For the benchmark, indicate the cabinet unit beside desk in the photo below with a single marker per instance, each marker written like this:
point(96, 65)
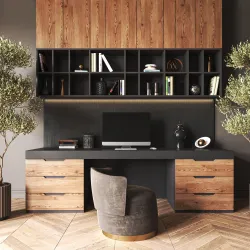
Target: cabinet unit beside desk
point(204, 185)
point(55, 185)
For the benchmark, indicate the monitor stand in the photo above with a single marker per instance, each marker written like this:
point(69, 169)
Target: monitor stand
point(125, 148)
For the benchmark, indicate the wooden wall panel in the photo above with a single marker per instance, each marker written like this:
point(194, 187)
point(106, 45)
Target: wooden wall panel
point(98, 25)
point(120, 24)
point(49, 23)
point(209, 23)
point(185, 23)
point(150, 24)
point(76, 23)
point(169, 23)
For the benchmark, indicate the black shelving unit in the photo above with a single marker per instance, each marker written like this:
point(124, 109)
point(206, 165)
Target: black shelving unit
point(128, 64)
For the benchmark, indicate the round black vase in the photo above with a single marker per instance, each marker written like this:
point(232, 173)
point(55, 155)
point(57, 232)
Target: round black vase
point(101, 87)
point(180, 135)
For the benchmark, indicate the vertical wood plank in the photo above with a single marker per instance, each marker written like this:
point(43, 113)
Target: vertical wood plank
point(209, 23)
point(98, 25)
point(76, 23)
point(185, 23)
point(120, 24)
point(169, 23)
point(150, 24)
point(59, 24)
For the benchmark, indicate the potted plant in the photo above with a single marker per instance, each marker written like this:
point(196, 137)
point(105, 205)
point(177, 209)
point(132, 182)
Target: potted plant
point(18, 107)
point(236, 102)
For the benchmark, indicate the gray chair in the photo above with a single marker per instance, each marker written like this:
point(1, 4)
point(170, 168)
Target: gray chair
point(125, 212)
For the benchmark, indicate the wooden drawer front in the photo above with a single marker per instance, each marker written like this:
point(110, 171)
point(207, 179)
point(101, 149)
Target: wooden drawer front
point(54, 202)
point(191, 185)
point(72, 185)
point(54, 168)
point(204, 168)
point(204, 202)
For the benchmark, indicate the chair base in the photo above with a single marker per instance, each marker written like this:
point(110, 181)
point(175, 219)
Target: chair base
point(130, 238)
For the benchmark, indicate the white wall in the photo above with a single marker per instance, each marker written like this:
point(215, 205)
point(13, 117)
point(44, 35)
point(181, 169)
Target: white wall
point(18, 22)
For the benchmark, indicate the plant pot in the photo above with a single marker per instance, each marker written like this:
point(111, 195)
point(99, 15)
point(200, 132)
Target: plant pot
point(5, 201)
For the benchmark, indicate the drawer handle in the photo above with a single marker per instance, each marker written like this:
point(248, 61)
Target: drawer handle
point(204, 194)
point(54, 177)
point(204, 177)
point(54, 194)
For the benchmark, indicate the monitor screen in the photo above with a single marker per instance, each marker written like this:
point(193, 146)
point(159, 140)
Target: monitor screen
point(126, 129)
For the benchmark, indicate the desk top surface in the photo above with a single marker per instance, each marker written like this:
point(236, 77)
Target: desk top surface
point(147, 154)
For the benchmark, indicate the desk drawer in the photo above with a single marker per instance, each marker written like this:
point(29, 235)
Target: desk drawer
point(54, 185)
point(54, 168)
point(204, 168)
point(204, 184)
point(54, 202)
point(204, 202)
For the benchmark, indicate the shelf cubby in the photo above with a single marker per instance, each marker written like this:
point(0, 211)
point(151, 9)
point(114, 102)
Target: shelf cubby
point(58, 84)
point(132, 61)
point(79, 57)
point(196, 79)
point(41, 88)
point(216, 60)
point(152, 57)
point(61, 61)
point(181, 55)
point(132, 87)
point(151, 78)
point(48, 61)
point(79, 84)
point(196, 58)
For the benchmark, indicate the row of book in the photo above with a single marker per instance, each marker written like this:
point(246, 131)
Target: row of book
point(98, 59)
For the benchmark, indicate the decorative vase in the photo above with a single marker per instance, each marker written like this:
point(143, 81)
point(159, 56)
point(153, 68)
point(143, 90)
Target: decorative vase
point(180, 135)
point(45, 90)
point(195, 89)
point(88, 141)
point(5, 201)
point(101, 87)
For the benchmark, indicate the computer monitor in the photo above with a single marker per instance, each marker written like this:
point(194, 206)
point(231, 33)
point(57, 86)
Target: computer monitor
point(122, 129)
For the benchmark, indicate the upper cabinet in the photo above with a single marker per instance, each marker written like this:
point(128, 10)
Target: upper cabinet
point(49, 23)
point(208, 23)
point(129, 24)
point(120, 24)
point(150, 24)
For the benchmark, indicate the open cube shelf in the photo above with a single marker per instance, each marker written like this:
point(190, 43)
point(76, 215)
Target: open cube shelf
point(186, 67)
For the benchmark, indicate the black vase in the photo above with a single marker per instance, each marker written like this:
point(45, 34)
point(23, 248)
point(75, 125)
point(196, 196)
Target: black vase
point(45, 90)
point(101, 87)
point(180, 135)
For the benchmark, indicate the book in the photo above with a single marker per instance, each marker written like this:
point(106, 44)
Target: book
point(151, 70)
point(79, 71)
point(100, 62)
point(216, 85)
point(67, 147)
point(93, 62)
point(42, 60)
point(107, 63)
point(122, 87)
point(171, 88)
point(167, 87)
point(212, 85)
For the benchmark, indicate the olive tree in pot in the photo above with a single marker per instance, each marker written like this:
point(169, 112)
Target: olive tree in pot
point(235, 105)
point(18, 107)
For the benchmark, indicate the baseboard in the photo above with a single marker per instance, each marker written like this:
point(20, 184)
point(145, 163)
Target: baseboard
point(18, 194)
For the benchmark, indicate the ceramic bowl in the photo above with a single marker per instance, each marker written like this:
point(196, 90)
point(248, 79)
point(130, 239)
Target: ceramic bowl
point(206, 139)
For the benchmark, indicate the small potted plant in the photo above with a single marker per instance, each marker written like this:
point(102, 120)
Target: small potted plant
point(18, 107)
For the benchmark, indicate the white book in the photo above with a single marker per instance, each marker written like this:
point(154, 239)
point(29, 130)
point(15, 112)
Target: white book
point(216, 85)
point(78, 70)
point(107, 63)
point(122, 87)
point(171, 85)
point(67, 147)
point(100, 62)
point(94, 62)
point(212, 85)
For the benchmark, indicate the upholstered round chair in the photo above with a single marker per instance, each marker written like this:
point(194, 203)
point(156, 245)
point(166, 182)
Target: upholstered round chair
point(125, 212)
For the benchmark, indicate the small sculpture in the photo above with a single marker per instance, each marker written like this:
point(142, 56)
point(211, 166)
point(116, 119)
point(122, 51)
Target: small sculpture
point(180, 135)
point(195, 89)
point(81, 67)
point(202, 142)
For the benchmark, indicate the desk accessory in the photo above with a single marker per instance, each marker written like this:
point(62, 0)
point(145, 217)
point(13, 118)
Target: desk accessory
point(195, 89)
point(88, 141)
point(202, 142)
point(180, 135)
point(101, 87)
point(174, 65)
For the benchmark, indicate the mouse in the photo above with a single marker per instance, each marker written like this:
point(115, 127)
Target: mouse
point(153, 148)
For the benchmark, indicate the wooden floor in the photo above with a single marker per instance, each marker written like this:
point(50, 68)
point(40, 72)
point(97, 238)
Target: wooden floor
point(80, 231)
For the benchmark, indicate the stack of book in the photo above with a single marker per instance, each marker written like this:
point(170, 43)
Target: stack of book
point(151, 68)
point(118, 88)
point(98, 59)
point(169, 85)
point(214, 85)
point(68, 144)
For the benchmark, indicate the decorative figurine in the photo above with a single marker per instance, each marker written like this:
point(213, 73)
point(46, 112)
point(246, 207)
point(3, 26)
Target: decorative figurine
point(180, 135)
point(202, 142)
point(195, 89)
point(81, 67)
point(62, 87)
